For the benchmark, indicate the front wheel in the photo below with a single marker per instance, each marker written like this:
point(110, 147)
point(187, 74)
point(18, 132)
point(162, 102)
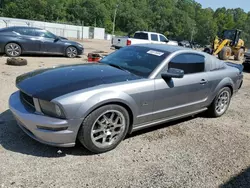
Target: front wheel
point(71, 52)
point(221, 103)
point(13, 50)
point(239, 56)
point(208, 50)
point(104, 128)
point(225, 53)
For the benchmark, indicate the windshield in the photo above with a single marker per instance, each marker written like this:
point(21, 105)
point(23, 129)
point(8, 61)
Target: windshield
point(229, 34)
point(138, 60)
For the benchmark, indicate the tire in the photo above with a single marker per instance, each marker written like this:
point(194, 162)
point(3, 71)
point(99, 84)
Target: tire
point(13, 49)
point(225, 53)
point(16, 61)
point(213, 108)
point(208, 50)
point(239, 56)
point(71, 52)
point(246, 66)
point(97, 137)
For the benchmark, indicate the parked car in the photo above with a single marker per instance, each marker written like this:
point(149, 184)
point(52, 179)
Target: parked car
point(142, 37)
point(132, 88)
point(246, 62)
point(15, 41)
point(185, 43)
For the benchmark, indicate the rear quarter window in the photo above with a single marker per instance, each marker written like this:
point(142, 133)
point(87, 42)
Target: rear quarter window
point(143, 36)
point(190, 63)
point(25, 31)
point(5, 30)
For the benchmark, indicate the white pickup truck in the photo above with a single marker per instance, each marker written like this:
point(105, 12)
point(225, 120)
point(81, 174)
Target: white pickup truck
point(141, 37)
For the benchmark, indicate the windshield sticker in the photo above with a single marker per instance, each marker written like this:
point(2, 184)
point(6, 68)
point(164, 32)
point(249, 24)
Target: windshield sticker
point(153, 52)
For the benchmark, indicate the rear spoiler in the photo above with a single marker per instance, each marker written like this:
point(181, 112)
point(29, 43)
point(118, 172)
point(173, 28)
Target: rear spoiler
point(238, 66)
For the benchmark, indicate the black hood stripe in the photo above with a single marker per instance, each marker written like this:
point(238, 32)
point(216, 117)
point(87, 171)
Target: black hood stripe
point(48, 84)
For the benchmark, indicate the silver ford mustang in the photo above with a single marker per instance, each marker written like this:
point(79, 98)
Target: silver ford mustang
point(133, 88)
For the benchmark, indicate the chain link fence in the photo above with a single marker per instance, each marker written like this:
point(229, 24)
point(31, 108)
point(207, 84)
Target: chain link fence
point(61, 29)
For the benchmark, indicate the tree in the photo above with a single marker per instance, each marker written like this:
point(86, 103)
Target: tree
point(179, 19)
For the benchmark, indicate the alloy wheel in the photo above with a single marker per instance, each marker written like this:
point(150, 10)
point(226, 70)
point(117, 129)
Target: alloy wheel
point(13, 49)
point(71, 52)
point(222, 102)
point(108, 128)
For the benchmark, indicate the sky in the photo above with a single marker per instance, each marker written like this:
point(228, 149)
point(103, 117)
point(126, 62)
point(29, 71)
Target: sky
point(214, 4)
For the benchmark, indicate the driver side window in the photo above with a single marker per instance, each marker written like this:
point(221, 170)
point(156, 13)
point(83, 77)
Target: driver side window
point(189, 63)
point(45, 34)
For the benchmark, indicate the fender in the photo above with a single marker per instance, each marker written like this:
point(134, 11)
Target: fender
point(223, 83)
point(106, 97)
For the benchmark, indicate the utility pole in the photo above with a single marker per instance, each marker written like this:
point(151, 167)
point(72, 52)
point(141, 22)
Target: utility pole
point(113, 32)
point(192, 33)
point(82, 28)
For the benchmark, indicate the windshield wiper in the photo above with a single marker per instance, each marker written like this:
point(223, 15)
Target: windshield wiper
point(119, 67)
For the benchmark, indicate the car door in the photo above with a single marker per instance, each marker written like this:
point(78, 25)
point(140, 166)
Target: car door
point(177, 96)
point(28, 40)
point(154, 38)
point(163, 39)
point(49, 44)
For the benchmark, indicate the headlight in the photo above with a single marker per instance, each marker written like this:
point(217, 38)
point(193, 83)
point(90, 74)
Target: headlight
point(51, 109)
point(80, 46)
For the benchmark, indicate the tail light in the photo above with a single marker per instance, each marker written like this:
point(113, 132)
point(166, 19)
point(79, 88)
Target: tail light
point(128, 42)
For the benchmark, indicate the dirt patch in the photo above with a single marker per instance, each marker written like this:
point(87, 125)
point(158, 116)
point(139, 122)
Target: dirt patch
point(195, 152)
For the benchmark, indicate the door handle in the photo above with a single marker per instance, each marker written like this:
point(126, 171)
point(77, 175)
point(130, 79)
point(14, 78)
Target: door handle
point(203, 81)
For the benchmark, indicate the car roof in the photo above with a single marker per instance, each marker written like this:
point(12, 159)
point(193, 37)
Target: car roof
point(165, 47)
point(147, 32)
point(20, 27)
point(211, 62)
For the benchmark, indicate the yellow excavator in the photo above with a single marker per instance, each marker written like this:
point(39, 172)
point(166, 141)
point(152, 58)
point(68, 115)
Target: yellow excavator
point(228, 45)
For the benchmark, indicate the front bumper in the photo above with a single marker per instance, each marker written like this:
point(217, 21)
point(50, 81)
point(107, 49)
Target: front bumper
point(29, 123)
point(80, 51)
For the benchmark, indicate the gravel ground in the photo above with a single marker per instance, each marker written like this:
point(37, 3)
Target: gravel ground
point(194, 152)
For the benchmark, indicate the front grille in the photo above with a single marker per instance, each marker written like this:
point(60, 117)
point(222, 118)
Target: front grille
point(27, 100)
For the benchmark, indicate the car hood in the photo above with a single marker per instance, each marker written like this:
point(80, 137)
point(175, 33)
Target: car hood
point(50, 83)
point(71, 42)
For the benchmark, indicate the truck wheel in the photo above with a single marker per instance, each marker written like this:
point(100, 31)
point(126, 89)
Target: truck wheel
point(239, 56)
point(221, 103)
point(225, 53)
point(103, 129)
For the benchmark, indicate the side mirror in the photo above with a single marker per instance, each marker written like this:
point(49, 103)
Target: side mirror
point(173, 73)
point(57, 39)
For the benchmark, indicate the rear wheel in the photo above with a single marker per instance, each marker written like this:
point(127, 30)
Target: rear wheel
point(225, 53)
point(239, 56)
point(221, 103)
point(71, 52)
point(208, 50)
point(13, 50)
point(104, 128)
